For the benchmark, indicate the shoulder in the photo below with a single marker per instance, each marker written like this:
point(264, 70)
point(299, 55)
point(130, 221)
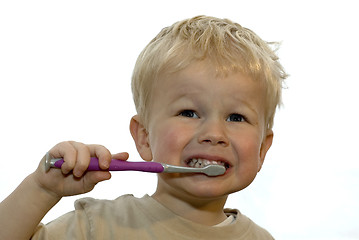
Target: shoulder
point(120, 209)
point(102, 219)
point(108, 208)
point(87, 203)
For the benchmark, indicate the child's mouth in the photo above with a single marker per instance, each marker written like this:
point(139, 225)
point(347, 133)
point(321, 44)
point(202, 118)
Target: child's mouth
point(200, 163)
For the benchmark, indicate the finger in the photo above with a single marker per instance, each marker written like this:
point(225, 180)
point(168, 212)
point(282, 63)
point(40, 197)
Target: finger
point(103, 155)
point(82, 160)
point(66, 151)
point(120, 156)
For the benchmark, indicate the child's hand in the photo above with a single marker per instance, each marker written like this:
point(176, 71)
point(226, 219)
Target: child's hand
point(73, 179)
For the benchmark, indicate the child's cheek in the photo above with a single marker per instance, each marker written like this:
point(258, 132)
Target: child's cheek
point(170, 142)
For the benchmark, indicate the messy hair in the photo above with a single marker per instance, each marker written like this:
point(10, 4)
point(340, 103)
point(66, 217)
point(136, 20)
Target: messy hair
point(228, 45)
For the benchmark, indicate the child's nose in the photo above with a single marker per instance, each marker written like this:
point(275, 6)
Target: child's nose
point(213, 133)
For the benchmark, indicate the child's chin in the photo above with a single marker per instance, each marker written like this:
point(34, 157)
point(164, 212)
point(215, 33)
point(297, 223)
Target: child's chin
point(208, 192)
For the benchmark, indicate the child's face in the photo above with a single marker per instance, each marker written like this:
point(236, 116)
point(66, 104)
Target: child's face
point(195, 115)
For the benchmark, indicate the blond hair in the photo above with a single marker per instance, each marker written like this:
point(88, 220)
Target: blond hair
point(228, 45)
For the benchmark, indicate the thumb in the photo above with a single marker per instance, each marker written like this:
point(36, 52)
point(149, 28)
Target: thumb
point(94, 177)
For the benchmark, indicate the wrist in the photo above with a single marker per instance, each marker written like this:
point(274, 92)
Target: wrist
point(23, 209)
point(44, 194)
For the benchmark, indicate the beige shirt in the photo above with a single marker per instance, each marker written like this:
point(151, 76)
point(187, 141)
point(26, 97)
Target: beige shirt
point(143, 218)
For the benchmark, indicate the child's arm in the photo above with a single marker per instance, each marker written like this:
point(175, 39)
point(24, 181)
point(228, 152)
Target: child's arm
point(22, 211)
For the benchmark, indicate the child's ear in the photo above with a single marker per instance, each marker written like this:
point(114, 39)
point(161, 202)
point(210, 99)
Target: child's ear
point(140, 136)
point(266, 144)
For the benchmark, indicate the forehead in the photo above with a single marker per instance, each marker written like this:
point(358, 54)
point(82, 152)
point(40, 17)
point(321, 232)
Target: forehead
point(198, 72)
point(202, 79)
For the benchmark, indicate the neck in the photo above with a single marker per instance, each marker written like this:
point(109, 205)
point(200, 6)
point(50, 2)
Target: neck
point(203, 211)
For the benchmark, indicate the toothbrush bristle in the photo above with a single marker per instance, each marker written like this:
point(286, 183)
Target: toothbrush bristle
point(214, 170)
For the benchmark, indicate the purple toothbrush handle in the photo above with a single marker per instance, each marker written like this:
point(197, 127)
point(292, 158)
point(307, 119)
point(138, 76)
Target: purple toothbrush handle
point(119, 165)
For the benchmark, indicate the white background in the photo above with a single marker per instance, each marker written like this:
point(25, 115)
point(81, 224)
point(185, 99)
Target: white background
point(65, 69)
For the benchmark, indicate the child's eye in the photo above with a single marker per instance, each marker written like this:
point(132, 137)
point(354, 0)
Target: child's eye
point(235, 117)
point(188, 113)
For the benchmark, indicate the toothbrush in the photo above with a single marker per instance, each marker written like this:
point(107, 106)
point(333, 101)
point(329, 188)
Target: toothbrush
point(154, 167)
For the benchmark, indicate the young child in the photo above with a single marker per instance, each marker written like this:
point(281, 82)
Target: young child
point(206, 91)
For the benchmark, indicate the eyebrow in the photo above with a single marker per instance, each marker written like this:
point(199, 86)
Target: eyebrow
point(186, 94)
point(184, 91)
point(249, 106)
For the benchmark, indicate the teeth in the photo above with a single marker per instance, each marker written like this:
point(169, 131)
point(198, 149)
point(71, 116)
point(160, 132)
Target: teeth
point(199, 163)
